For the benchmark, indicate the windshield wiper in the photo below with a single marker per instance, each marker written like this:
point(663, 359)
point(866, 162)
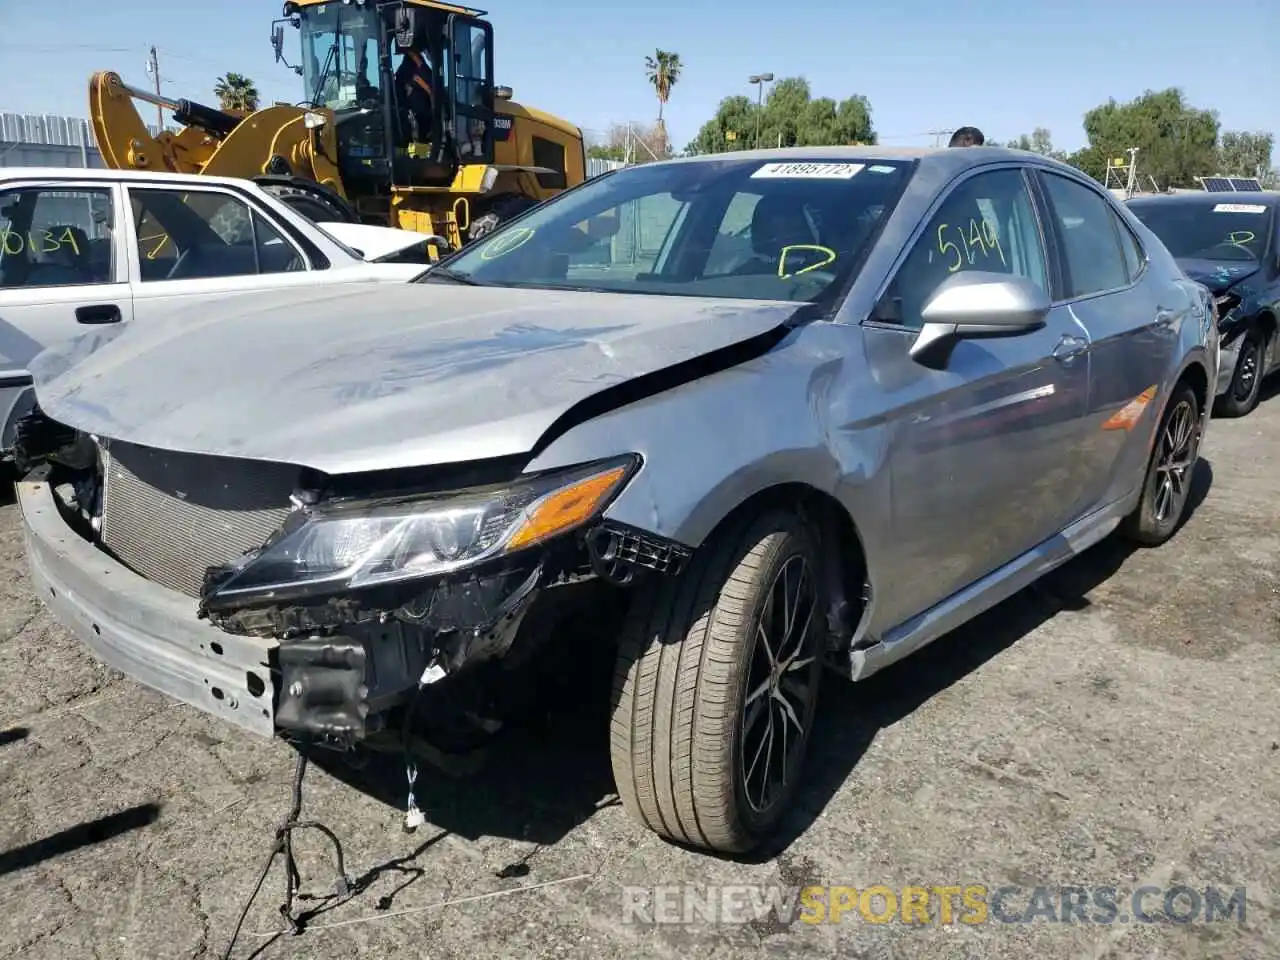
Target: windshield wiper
point(453, 276)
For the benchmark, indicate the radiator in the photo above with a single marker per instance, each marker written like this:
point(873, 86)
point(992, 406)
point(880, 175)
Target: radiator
point(170, 516)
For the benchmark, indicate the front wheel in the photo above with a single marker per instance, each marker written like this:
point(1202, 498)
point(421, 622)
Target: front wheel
point(1166, 488)
point(1246, 381)
point(716, 685)
point(313, 203)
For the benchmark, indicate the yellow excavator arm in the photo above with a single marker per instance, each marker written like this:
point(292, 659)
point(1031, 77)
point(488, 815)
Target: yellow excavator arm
point(275, 141)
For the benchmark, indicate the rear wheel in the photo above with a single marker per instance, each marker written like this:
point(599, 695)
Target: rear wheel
point(716, 686)
point(1167, 485)
point(1246, 381)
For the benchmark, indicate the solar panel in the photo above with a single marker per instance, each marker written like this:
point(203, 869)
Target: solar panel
point(1217, 184)
point(1246, 183)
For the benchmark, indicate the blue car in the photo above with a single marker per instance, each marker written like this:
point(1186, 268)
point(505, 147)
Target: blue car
point(1229, 242)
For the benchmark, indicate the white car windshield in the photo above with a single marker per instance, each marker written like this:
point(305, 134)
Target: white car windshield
point(740, 228)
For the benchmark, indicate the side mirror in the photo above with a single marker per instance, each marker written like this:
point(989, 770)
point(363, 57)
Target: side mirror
point(976, 304)
point(277, 42)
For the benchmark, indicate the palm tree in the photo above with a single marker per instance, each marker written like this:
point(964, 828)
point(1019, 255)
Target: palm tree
point(236, 92)
point(663, 71)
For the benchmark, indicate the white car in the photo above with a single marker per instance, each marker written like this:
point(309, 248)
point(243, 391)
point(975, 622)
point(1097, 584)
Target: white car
point(81, 247)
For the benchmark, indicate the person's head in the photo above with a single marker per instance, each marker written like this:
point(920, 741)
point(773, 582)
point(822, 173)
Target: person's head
point(967, 137)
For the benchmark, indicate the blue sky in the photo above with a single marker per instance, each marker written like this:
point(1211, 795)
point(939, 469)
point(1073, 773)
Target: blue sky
point(1001, 65)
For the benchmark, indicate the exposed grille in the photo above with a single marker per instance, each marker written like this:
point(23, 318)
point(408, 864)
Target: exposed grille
point(170, 516)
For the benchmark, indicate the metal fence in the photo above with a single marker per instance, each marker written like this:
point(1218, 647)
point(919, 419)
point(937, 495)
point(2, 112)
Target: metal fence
point(596, 166)
point(48, 140)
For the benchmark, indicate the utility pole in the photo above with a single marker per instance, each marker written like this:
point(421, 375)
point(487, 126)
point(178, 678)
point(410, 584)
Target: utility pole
point(1133, 172)
point(153, 68)
point(938, 135)
point(760, 79)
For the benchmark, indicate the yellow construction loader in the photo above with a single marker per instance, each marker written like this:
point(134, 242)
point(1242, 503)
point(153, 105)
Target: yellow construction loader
point(402, 125)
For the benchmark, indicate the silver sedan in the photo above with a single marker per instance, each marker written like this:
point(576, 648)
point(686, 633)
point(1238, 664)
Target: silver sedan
point(748, 415)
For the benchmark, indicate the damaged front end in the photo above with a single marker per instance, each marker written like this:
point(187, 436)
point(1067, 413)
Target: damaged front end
point(371, 587)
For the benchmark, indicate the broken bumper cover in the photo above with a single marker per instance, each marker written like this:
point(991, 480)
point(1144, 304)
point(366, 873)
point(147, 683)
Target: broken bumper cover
point(1228, 357)
point(149, 633)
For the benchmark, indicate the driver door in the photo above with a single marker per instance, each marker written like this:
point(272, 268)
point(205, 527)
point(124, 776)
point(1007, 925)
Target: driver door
point(471, 86)
point(982, 452)
point(189, 245)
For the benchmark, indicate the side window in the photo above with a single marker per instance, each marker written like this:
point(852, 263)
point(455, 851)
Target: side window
point(1134, 257)
point(1090, 243)
point(628, 239)
point(470, 63)
point(986, 223)
point(550, 155)
point(203, 234)
point(55, 237)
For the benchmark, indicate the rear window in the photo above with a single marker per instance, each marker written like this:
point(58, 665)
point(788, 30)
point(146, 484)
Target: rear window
point(754, 230)
point(1227, 229)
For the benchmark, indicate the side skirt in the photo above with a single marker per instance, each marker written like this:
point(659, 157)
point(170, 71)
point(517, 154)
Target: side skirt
point(980, 596)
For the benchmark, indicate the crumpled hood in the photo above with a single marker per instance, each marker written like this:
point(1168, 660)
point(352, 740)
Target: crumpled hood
point(1217, 275)
point(364, 378)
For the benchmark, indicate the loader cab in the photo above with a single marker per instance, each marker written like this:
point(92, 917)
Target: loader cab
point(399, 124)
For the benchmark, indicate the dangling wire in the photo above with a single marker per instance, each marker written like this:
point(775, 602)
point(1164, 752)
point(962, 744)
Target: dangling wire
point(413, 817)
point(344, 888)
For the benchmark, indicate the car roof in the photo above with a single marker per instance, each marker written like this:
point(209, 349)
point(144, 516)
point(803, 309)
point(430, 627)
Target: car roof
point(947, 160)
point(102, 173)
point(1196, 198)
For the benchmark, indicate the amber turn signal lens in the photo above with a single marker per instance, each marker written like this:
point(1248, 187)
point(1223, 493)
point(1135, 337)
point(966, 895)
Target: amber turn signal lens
point(566, 508)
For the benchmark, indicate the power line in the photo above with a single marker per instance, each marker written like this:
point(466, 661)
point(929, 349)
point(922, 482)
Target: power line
point(59, 47)
point(911, 136)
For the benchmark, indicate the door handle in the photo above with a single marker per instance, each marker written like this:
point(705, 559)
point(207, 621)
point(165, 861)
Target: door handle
point(1069, 348)
point(99, 313)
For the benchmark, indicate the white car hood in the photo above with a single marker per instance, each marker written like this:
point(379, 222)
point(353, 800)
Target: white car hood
point(373, 243)
point(366, 378)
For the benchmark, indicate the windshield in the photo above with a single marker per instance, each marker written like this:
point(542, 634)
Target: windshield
point(736, 228)
point(340, 55)
point(1209, 231)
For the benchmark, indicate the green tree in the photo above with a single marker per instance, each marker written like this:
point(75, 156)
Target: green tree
point(790, 117)
point(1038, 141)
point(235, 91)
point(1176, 142)
point(1243, 154)
point(630, 140)
point(663, 72)
point(605, 151)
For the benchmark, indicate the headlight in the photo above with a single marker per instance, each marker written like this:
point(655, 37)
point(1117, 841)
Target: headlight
point(351, 545)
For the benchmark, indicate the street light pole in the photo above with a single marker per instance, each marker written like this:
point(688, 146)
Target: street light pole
point(759, 79)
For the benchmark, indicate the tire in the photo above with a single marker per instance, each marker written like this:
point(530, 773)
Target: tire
point(1246, 380)
point(311, 204)
point(689, 650)
point(503, 209)
point(1156, 518)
